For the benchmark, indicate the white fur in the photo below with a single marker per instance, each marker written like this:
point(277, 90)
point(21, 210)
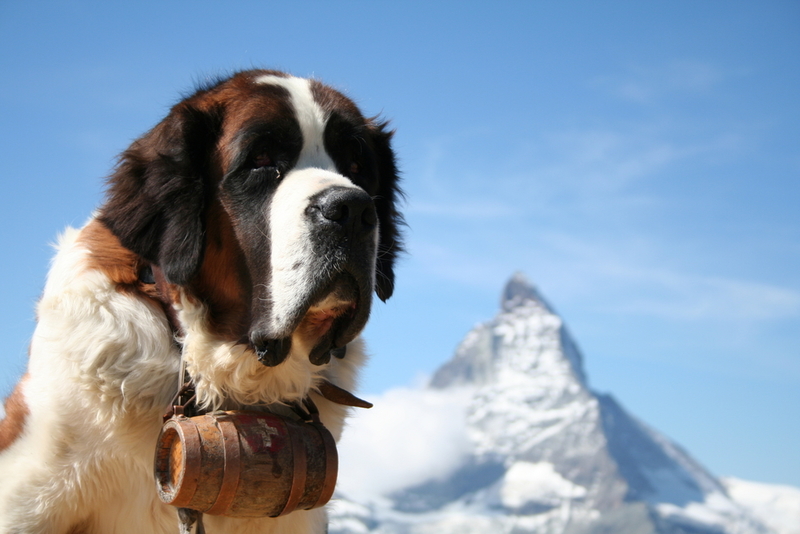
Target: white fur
point(103, 368)
point(230, 376)
point(311, 118)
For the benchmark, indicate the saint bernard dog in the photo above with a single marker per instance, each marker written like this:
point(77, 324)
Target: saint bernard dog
point(267, 206)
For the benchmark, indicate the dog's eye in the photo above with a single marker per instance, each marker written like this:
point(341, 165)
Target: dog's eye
point(355, 168)
point(262, 159)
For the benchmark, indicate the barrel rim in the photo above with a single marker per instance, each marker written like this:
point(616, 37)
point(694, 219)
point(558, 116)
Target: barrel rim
point(182, 492)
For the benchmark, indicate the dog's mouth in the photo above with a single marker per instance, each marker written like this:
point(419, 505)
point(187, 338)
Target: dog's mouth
point(321, 317)
point(323, 326)
point(336, 313)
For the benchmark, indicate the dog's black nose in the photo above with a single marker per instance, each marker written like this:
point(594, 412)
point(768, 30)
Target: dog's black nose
point(347, 210)
point(270, 352)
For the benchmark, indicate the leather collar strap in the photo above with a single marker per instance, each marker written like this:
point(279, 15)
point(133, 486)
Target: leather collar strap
point(185, 398)
point(334, 393)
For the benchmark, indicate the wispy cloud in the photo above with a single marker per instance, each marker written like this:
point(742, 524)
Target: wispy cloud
point(411, 435)
point(577, 174)
point(601, 163)
point(646, 84)
point(645, 216)
point(624, 275)
point(587, 205)
point(691, 297)
point(642, 281)
point(465, 209)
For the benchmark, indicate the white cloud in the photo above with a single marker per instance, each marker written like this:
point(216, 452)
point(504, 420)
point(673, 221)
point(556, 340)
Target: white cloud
point(777, 506)
point(715, 298)
point(408, 437)
point(653, 220)
point(527, 482)
point(623, 274)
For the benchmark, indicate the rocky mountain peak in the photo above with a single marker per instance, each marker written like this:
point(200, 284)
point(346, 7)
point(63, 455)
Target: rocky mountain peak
point(518, 291)
point(525, 339)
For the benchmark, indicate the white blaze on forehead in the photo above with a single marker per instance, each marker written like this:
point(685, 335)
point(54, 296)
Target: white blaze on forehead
point(311, 117)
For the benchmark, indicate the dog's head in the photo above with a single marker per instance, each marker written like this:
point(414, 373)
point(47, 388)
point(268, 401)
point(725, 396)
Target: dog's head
point(270, 200)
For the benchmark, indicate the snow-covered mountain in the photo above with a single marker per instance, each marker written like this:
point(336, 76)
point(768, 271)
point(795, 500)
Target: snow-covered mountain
point(536, 450)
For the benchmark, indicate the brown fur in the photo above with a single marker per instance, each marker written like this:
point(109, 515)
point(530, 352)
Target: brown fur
point(16, 414)
point(107, 255)
point(220, 278)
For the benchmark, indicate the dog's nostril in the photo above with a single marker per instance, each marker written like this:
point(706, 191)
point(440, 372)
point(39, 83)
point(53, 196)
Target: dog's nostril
point(335, 211)
point(270, 352)
point(350, 208)
point(370, 217)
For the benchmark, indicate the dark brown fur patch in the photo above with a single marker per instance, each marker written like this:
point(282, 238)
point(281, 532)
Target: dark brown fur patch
point(107, 255)
point(218, 283)
point(223, 278)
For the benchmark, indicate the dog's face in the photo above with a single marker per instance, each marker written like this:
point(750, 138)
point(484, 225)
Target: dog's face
point(270, 200)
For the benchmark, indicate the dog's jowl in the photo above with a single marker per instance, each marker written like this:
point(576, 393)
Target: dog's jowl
point(237, 251)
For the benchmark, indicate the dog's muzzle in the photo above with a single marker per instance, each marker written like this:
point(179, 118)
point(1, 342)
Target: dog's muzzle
point(334, 303)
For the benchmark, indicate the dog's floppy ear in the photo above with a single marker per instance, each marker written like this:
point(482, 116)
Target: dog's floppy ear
point(390, 244)
point(157, 194)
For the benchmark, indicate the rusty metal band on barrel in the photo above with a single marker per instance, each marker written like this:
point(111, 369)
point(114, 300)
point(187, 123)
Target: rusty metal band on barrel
point(299, 471)
point(331, 466)
point(232, 467)
point(187, 485)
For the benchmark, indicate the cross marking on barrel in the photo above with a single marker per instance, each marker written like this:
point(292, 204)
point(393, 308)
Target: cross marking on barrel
point(266, 433)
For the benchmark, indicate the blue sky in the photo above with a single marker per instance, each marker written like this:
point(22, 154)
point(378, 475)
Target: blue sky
point(640, 162)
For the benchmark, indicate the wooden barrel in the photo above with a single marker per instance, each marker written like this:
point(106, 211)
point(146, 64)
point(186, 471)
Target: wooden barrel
point(245, 464)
